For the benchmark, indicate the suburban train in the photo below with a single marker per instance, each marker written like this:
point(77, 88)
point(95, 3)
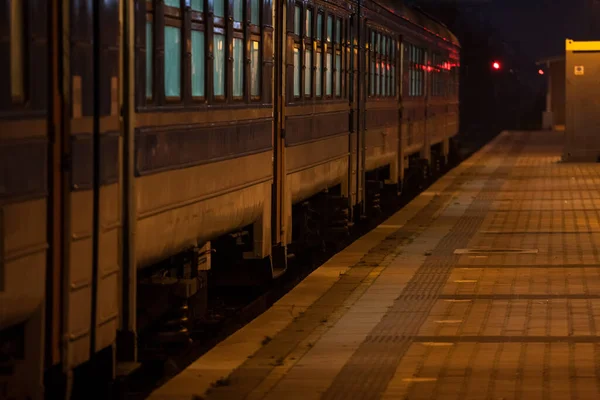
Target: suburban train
point(136, 137)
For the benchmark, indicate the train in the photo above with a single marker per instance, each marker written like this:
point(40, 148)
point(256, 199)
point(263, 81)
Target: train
point(137, 137)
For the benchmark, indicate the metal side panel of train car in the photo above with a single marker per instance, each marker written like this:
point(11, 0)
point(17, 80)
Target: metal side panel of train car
point(92, 263)
point(203, 126)
point(317, 112)
point(23, 195)
point(381, 114)
point(582, 128)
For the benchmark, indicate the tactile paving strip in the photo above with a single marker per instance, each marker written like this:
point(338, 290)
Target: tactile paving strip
point(367, 374)
point(254, 371)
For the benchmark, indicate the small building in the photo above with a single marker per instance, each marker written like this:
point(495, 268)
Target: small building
point(582, 111)
point(573, 101)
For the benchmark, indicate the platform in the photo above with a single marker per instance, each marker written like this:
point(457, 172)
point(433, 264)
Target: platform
point(486, 286)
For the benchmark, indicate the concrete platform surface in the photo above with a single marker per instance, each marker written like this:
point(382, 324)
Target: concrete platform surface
point(486, 286)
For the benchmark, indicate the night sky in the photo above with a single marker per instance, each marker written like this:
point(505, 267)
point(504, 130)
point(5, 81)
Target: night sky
point(540, 27)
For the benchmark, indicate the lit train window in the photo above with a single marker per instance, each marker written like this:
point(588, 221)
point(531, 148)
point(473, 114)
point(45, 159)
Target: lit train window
point(308, 22)
point(172, 62)
point(173, 3)
point(393, 81)
point(255, 12)
point(219, 8)
point(338, 31)
point(319, 26)
point(219, 65)
point(198, 64)
point(329, 28)
point(308, 72)
point(149, 59)
point(198, 5)
point(17, 41)
point(238, 10)
point(238, 67)
point(319, 74)
point(328, 76)
point(372, 83)
point(255, 69)
point(296, 72)
point(372, 40)
point(297, 18)
point(338, 75)
point(384, 70)
point(372, 68)
point(377, 79)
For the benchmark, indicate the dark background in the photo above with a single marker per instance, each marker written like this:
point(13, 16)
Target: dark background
point(515, 33)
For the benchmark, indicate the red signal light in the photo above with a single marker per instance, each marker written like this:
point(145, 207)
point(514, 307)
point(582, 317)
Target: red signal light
point(541, 72)
point(496, 65)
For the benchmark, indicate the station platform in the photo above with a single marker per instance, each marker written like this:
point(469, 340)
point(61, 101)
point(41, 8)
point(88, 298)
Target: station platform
point(485, 286)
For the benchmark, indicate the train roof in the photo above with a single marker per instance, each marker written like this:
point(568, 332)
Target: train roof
point(420, 18)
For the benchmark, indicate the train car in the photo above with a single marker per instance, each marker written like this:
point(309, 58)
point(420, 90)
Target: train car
point(150, 149)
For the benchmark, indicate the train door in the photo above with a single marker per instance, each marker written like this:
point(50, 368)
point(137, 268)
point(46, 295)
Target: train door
point(91, 201)
point(281, 214)
point(398, 81)
point(358, 111)
point(428, 125)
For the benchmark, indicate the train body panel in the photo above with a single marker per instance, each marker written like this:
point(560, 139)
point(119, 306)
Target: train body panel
point(183, 208)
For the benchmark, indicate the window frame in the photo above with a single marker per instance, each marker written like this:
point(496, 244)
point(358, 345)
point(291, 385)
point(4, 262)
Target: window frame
point(149, 17)
point(308, 45)
point(187, 20)
point(383, 62)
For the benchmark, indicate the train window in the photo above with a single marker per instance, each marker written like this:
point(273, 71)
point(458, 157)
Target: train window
point(338, 31)
point(393, 81)
point(319, 74)
point(377, 79)
point(17, 53)
point(219, 8)
point(338, 75)
point(198, 5)
point(308, 23)
point(411, 70)
point(372, 40)
point(238, 67)
point(319, 26)
point(384, 85)
point(296, 72)
point(308, 72)
point(255, 69)
point(297, 19)
point(372, 83)
point(329, 28)
point(172, 62)
point(197, 64)
point(391, 67)
point(372, 65)
point(255, 12)
point(219, 65)
point(173, 3)
point(238, 10)
point(328, 75)
point(149, 59)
